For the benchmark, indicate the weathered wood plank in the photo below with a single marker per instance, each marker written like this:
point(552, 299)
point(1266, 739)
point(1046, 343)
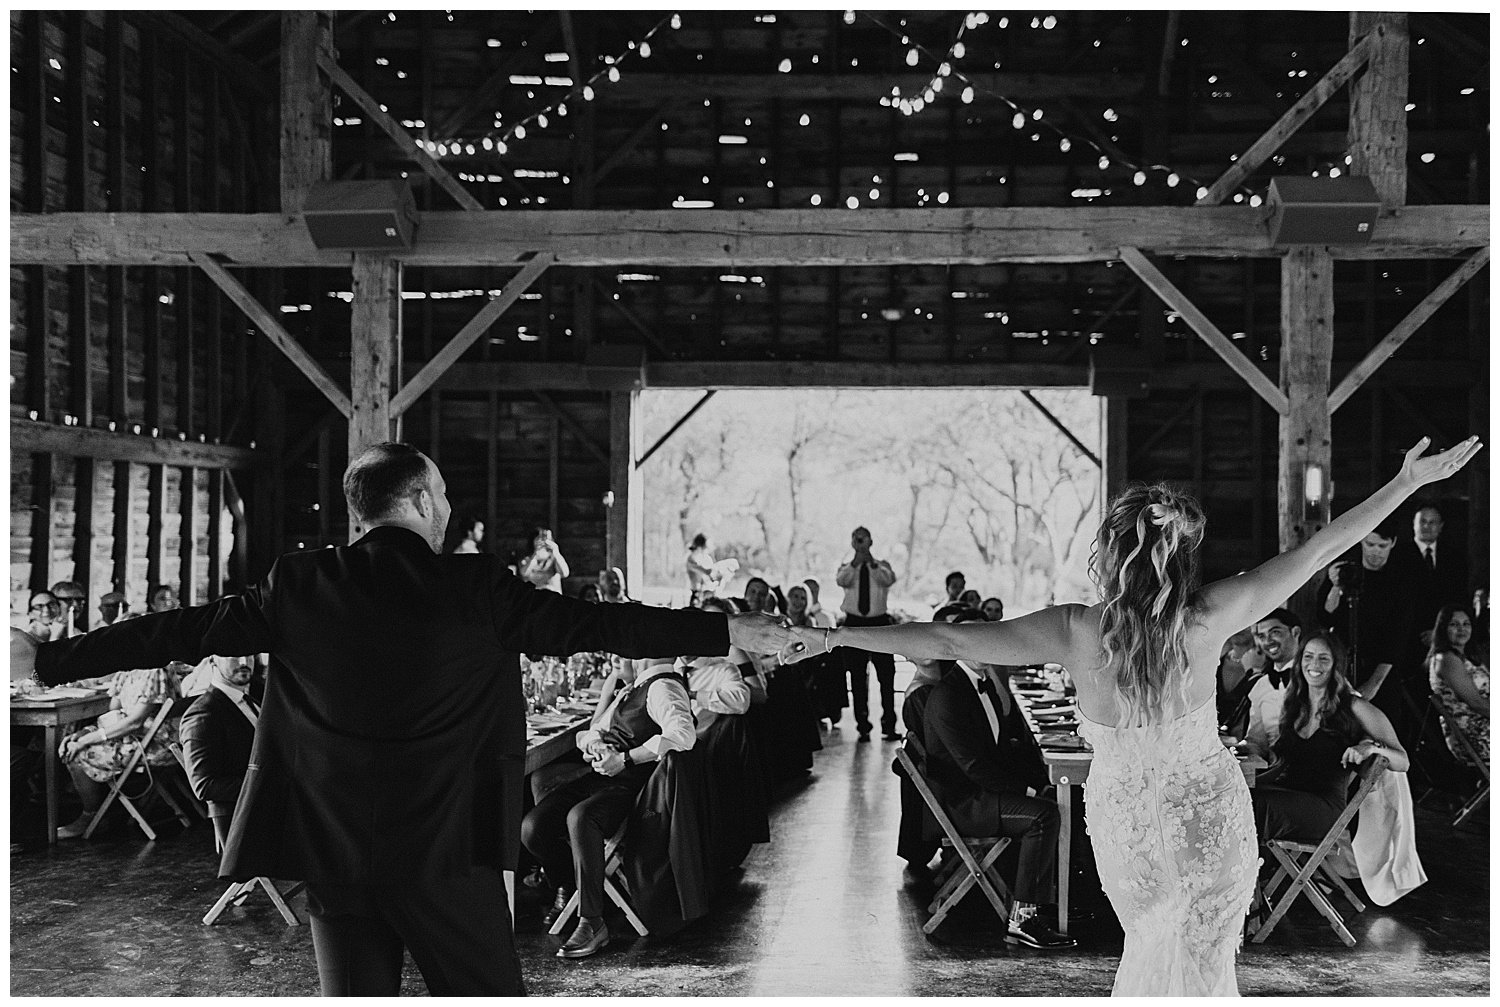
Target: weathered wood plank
point(1406, 328)
point(375, 353)
point(1377, 104)
point(808, 237)
point(1207, 330)
point(87, 442)
point(306, 106)
point(1306, 425)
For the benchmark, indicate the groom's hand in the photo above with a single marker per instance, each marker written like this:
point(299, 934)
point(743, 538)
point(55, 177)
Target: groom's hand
point(809, 641)
point(759, 633)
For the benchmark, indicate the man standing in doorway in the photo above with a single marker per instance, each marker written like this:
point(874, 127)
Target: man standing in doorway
point(865, 581)
point(390, 724)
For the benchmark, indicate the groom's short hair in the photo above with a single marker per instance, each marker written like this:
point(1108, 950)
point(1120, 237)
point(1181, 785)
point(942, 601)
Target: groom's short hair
point(382, 476)
point(1285, 616)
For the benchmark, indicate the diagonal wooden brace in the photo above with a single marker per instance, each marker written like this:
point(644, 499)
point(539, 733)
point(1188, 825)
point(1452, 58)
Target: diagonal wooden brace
point(1208, 331)
point(478, 325)
point(1406, 328)
point(279, 336)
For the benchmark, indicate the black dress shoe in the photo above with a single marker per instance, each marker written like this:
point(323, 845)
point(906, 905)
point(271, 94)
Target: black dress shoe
point(559, 903)
point(1036, 934)
point(586, 940)
point(864, 735)
point(892, 736)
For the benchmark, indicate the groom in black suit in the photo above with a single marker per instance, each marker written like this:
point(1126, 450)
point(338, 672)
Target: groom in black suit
point(987, 771)
point(388, 754)
point(218, 732)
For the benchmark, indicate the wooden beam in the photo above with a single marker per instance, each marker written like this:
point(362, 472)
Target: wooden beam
point(156, 514)
point(123, 528)
point(675, 427)
point(187, 537)
point(1062, 428)
point(624, 312)
point(1305, 426)
point(279, 337)
point(83, 528)
point(736, 239)
point(41, 517)
point(1406, 328)
point(375, 354)
point(87, 442)
point(245, 74)
point(622, 451)
point(476, 327)
point(571, 422)
point(868, 88)
point(306, 106)
point(1206, 329)
point(215, 569)
point(1377, 104)
point(1116, 420)
point(397, 132)
point(1251, 160)
point(80, 295)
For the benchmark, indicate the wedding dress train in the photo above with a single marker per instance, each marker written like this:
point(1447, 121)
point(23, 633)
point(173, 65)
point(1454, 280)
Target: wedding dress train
point(1173, 833)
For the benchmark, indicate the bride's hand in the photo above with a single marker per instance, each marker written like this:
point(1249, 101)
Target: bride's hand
point(812, 640)
point(1420, 471)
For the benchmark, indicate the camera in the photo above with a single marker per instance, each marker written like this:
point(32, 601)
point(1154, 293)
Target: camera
point(1351, 578)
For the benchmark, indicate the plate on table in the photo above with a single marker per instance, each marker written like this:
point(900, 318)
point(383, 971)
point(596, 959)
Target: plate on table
point(59, 692)
point(1063, 743)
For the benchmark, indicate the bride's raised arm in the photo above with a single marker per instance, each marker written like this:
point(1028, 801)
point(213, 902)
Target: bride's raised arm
point(1049, 635)
point(1236, 602)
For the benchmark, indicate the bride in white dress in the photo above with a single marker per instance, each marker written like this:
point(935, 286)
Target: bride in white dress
point(1168, 808)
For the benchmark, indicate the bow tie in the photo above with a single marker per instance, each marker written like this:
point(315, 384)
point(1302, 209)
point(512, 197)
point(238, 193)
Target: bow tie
point(986, 687)
point(1279, 678)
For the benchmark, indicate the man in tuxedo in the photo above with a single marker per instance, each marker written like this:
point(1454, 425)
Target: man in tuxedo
point(1278, 635)
point(386, 771)
point(986, 769)
point(217, 733)
point(865, 581)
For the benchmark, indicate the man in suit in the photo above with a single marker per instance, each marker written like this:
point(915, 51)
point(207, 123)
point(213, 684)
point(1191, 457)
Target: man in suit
point(1437, 571)
point(865, 581)
point(985, 768)
point(217, 733)
point(386, 770)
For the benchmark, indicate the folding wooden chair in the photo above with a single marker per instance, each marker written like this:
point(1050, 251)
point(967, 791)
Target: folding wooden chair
point(239, 891)
point(1475, 761)
point(613, 878)
point(1303, 863)
point(138, 761)
point(972, 859)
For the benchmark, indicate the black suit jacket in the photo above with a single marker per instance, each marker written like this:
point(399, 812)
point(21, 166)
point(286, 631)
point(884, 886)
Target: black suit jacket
point(392, 736)
point(1432, 589)
point(216, 741)
point(967, 767)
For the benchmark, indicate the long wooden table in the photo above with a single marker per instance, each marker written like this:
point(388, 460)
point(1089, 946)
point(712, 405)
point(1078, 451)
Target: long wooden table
point(1067, 769)
point(52, 716)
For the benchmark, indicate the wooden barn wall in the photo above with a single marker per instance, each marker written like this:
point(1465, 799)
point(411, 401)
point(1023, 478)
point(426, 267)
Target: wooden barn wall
point(1221, 440)
point(107, 115)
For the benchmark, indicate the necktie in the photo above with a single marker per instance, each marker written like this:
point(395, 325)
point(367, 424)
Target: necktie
point(253, 706)
point(864, 589)
point(1431, 554)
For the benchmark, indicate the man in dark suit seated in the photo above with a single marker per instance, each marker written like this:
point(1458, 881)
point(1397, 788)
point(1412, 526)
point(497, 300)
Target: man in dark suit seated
point(387, 776)
point(985, 768)
point(217, 732)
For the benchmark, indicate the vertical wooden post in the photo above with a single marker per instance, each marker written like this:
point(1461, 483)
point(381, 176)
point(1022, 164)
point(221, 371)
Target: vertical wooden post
point(1377, 105)
point(215, 534)
point(1116, 417)
point(326, 481)
point(124, 527)
point(623, 542)
point(492, 462)
point(1306, 359)
point(83, 532)
point(554, 465)
point(375, 348)
point(156, 512)
point(187, 537)
point(306, 106)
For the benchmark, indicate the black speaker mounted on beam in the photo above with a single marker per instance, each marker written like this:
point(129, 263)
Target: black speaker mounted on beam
point(364, 216)
point(1322, 211)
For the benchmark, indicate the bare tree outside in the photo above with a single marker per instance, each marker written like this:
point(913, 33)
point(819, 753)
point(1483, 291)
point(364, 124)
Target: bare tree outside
point(968, 479)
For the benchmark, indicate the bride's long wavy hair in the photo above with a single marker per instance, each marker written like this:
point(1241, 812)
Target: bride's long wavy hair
point(1145, 563)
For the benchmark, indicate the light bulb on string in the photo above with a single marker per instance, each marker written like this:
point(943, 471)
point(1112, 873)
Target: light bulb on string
point(1140, 178)
point(967, 96)
point(676, 21)
point(645, 50)
point(1173, 179)
point(614, 75)
point(1103, 163)
point(1065, 145)
point(911, 57)
point(1018, 120)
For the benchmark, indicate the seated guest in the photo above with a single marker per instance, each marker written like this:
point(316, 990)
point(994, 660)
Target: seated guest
point(970, 599)
point(1479, 645)
point(95, 755)
point(815, 610)
point(217, 733)
point(1460, 685)
point(953, 586)
point(985, 768)
point(589, 592)
point(822, 676)
point(612, 586)
point(1326, 729)
point(74, 606)
point(993, 609)
point(1277, 636)
point(111, 607)
point(737, 657)
point(163, 598)
point(44, 616)
point(1239, 665)
point(912, 844)
point(643, 713)
point(714, 686)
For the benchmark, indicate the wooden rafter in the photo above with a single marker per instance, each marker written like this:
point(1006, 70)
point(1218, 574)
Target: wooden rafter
point(278, 336)
point(1406, 328)
point(476, 327)
point(246, 75)
point(634, 319)
point(794, 237)
point(631, 142)
point(1271, 141)
point(1207, 330)
point(1062, 427)
point(871, 87)
point(396, 132)
point(571, 422)
point(107, 445)
point(703, 401)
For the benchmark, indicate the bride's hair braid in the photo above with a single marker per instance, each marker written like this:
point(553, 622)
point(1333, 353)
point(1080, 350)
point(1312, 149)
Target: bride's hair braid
point(1147, 602)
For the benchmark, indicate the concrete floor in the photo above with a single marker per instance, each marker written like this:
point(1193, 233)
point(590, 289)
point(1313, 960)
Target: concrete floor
point(824, 909)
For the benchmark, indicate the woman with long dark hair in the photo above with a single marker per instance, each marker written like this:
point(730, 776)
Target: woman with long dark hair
point(1169, 812)
point(1326, 730)
point(1460, 685)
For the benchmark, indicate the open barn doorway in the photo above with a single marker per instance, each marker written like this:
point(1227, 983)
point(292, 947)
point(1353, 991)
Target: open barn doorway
point(1003, 485)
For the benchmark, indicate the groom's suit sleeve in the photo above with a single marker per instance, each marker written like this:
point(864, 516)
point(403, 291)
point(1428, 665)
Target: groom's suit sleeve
point(967, 739)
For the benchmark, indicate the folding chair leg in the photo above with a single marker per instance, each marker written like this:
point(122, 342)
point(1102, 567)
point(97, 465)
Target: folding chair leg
point(955, 878)
point(618, 898)
point(971, 873)
point(230, 893)
point(1330, 913)
point(1472, 805)
point(1342, 886)
point(565, 915)
point(181, 812)
point(291, 918)
point(1281, 907)
point(140, 819)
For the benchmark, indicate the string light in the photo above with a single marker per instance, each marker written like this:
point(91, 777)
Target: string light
point(934, 85)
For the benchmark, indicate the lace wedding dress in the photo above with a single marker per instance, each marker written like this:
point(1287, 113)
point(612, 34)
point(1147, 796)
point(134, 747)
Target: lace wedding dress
point(1169, 816)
